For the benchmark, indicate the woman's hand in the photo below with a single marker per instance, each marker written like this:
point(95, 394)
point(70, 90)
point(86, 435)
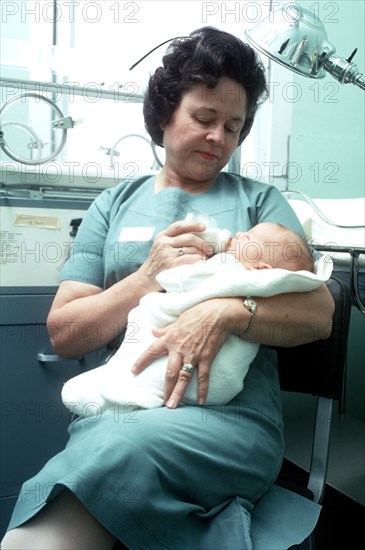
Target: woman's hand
point(199, 333)
point(194, 339)
point(174, 246)
point(78, 306)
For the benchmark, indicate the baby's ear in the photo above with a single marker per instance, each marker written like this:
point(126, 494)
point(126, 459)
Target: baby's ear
point(263, 265)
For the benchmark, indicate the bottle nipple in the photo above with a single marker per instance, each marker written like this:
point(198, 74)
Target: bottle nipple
point(212, 235)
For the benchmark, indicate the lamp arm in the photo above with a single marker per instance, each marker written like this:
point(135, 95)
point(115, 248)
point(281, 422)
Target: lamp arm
point(344, 71)
point(341, 69)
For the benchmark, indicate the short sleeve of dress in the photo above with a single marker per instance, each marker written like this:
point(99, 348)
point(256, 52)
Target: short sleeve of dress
point(85, 263)
point(271, 206)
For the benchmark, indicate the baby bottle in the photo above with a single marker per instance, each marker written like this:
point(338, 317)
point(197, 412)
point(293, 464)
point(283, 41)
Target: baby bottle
point(212, 234)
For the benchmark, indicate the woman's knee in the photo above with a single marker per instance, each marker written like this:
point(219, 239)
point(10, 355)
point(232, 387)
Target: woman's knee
point(64, 523)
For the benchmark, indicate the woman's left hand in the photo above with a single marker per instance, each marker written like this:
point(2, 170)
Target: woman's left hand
point(193, 340)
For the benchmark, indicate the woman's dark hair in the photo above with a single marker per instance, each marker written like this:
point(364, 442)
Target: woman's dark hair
point(205, 56)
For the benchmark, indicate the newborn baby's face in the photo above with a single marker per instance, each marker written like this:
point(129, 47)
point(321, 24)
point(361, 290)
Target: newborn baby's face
point(255, 248)
point(271, 245)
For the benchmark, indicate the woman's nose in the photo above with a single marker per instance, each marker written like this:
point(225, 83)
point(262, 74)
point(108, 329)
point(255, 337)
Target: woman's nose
point(216, 135)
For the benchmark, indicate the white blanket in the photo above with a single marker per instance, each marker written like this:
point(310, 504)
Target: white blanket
point(113, 386)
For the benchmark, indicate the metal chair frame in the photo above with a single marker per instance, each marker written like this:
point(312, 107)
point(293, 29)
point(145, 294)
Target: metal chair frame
point(323, 377)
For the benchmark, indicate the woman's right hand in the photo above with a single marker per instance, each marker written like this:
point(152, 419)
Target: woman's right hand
point(176, 245)
point(78, 305)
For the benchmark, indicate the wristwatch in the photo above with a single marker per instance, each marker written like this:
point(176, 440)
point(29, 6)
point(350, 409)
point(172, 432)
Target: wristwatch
point(251, 306)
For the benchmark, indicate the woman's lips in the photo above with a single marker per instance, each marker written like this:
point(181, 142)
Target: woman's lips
point(207, 156)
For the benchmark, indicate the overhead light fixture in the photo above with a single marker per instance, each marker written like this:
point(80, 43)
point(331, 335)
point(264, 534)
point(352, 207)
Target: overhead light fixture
point(296, 38)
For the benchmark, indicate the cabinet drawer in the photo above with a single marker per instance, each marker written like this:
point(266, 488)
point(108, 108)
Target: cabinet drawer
point(18, 309)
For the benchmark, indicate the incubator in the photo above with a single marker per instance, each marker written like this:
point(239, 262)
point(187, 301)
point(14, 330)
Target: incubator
point(336, 227)
point(61, 144)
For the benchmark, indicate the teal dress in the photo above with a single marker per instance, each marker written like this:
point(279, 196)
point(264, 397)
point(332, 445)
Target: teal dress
point(188, 478)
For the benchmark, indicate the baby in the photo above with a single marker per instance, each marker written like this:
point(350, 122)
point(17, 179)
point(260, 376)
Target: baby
point(268, 259)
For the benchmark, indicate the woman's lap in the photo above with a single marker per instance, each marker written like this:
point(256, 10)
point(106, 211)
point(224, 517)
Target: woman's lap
point(184, 465)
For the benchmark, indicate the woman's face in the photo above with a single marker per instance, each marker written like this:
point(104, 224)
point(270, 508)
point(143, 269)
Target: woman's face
point(203, 131)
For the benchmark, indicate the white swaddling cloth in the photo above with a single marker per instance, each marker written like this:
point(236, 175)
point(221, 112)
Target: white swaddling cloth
point(113, 384)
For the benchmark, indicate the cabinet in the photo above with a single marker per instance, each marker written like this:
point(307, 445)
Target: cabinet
point(33, 418)
point(35, 237)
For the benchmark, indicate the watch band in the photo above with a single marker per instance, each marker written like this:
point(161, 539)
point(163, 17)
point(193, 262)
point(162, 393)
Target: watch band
point(251, 306)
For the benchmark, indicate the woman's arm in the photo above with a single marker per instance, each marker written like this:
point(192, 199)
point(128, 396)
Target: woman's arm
point(84, 317)
point(287, 319)
point(198, 334)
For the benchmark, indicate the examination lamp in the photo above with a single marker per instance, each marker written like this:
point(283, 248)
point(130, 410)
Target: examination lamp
point(296, 38)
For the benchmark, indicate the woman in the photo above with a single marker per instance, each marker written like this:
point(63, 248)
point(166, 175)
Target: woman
point(175, 477)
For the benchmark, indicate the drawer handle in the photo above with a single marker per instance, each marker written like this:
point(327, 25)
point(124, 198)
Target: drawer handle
point(46, 358)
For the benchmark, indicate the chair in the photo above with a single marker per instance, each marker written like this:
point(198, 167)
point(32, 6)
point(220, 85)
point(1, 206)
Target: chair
point(323, 376)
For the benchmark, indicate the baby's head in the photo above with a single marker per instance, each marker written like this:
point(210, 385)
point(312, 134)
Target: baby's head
point(269, 245)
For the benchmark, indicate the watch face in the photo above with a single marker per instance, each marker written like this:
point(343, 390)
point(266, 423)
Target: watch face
point(250, 305)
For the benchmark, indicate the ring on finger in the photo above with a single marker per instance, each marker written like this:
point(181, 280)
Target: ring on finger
point(187, 367)
point(181, 252)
